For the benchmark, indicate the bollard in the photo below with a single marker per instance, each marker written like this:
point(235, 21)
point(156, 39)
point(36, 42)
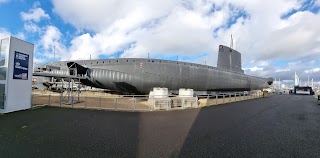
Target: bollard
point(230, 97)
point(207, 104)
point(49, 100)
point(235, 96)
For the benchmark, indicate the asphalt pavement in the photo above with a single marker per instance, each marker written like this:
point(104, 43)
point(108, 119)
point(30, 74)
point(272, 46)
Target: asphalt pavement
point(279, 126)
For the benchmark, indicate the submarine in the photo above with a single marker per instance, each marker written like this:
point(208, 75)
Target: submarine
point(141, 75)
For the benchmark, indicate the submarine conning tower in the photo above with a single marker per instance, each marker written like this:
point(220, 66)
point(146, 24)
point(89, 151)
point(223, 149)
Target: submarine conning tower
point(229, 59)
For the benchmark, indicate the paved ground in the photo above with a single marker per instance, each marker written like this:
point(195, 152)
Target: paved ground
point(280, 126)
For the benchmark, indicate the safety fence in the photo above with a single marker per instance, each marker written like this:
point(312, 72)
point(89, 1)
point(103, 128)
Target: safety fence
point(138, 102)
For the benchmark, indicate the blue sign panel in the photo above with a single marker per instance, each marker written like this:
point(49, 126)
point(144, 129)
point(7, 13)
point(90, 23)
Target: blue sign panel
point(21, 65)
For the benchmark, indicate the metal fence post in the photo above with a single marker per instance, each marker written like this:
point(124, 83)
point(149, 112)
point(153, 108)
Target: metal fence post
point(133, 108)
point(49, 100)
point(99, 103)
point(60, 100)
point(32, 100)
point(216, 99)
point(115, 104)
point(150, 104)
point(182, 104)
point(85, 102)
point(223, 99)
point(71, 101)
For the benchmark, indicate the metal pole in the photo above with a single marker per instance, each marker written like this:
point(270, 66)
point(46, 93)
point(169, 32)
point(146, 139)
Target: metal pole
point(32, 100)
point(99, 103)
point(115, 104)
point(69, 91)
point(235, 96)
point(216, 99)
point(134, 104)
point(72, 101)
point(61, 94)
point(150, 105)
point(207, 104)
point(223, 99)
point(79, 90)
point(60, 101)
point(230, 97)
point(49, 100)
point(85, 102)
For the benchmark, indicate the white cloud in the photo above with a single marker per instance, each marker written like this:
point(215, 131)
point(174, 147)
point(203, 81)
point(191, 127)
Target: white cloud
point(4, 1)
point(31, 27)
point(312, 70)
point(50, 44)
point(282, 70)
point(254, 68)
point(51, 36)
point(4, 33)
point(34, 14)
point(192, 27)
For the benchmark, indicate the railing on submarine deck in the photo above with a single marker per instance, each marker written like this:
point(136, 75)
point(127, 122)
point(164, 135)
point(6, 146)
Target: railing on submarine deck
point(105, 101)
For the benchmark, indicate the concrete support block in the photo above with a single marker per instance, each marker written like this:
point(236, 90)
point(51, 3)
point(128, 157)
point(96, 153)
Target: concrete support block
point(183, 92)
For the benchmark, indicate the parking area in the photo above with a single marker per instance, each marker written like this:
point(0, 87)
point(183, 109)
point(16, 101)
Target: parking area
point(279, 126)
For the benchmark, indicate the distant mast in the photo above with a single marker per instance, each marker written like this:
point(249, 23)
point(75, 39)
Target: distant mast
point(296, 79)
point(231, 42)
